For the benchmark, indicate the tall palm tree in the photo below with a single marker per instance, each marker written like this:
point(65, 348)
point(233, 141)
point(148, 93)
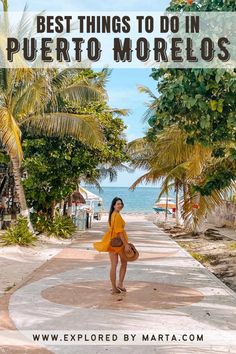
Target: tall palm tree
point(32, 100)
point(34, 97)
point(174, 162)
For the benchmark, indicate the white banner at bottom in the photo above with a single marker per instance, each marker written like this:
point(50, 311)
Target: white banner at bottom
point(104, 337)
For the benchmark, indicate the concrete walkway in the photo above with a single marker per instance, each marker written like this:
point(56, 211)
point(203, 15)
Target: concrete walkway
point(167, 292)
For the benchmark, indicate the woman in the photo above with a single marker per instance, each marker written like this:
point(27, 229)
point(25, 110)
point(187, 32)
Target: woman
point(116, 228)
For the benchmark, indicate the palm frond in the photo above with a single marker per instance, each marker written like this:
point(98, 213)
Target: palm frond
point(82, 127)
point(108, 172)
point(194, 215)
point(103, 77)
point(65, 77)
point(31, 97)
point(152, 176)
point(10, 134)
point(118, 111)
point(82, 92)
point(165, 188)
point(146, 90)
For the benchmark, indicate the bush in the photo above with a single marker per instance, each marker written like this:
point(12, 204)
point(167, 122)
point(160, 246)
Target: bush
point(61, 226)
point(232, 246)
point(19, 234)
point(40, 222)
point(204, 258)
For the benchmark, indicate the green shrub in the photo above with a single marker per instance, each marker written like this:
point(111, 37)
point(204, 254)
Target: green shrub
point(40, 222)
point(203, 258)
point(19, 234)
point(61, 226)
point(232, 246)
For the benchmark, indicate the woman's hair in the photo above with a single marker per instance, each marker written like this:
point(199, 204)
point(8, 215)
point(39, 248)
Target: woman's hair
point(113, 203)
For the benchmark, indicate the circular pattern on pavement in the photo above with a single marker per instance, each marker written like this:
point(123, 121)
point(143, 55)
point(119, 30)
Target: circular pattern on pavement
point(140, 295)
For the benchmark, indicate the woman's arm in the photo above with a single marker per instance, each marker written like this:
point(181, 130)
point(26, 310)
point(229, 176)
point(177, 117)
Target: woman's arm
point(126, 244)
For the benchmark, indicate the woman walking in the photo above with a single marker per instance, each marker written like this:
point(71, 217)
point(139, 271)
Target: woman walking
point(116, 229)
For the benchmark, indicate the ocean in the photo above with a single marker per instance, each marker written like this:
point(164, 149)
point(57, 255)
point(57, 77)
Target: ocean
point(140, 200)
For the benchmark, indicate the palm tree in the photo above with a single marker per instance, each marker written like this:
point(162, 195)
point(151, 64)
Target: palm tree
point(34, 98)
point(177, 164)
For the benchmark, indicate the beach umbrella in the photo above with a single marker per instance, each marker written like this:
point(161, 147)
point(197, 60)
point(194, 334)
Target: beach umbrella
point(170, 205)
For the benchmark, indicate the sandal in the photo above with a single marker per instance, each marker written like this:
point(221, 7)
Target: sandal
point(121, 289)
point(115, 291)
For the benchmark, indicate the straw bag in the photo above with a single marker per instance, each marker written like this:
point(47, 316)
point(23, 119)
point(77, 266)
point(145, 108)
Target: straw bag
point(115, 241)
point(130, 256)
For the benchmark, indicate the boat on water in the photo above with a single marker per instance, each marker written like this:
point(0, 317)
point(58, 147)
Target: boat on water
point(165, 204)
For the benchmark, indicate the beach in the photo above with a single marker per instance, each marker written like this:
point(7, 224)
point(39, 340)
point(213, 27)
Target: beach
point(141, 200)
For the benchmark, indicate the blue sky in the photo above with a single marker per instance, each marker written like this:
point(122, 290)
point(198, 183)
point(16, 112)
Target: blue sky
point(123, 93)
point(89, 5)
point(122, 87)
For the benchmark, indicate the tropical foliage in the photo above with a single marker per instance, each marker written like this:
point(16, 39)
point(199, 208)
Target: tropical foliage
point(30, 99)
point(178, 165)
point(191, 143)
point(62, 226)
point(56, 165)
point(19, 234)
point(202, 103)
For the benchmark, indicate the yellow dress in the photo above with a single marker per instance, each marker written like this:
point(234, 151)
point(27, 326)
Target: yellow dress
point(117, 225)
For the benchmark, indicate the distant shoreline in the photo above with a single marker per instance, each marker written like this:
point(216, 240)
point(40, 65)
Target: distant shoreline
point(132, 212)
point(88, 186)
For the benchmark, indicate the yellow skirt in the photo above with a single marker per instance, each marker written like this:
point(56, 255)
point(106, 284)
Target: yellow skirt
point(104, 244)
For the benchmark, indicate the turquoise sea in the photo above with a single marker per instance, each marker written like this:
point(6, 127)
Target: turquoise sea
point(141, 199)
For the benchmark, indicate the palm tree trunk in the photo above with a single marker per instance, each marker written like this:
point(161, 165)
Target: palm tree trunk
point(185, 190)
point(177, 203)
point(186, 195)
point(166, 211)
point(20, 190)
point(5, 5)
point(197, 224)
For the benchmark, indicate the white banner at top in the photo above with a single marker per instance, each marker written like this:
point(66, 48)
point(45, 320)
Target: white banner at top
point(118, 39)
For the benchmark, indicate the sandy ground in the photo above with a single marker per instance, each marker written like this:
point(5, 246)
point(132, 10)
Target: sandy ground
point(216, 252)
point(17, 262)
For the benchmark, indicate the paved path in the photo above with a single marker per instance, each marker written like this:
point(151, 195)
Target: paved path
point(167, 291)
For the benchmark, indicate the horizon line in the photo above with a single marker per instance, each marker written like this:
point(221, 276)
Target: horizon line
point(122, 186)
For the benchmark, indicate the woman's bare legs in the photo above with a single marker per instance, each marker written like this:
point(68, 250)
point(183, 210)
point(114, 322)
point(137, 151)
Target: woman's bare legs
point(114, 262)
point(122, 272)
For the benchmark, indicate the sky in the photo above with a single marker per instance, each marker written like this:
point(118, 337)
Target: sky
point(89, 5)
point(123, 93)
point(122, 86)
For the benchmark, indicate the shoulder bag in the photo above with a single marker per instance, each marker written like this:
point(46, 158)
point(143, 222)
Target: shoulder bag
point(115, 241)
